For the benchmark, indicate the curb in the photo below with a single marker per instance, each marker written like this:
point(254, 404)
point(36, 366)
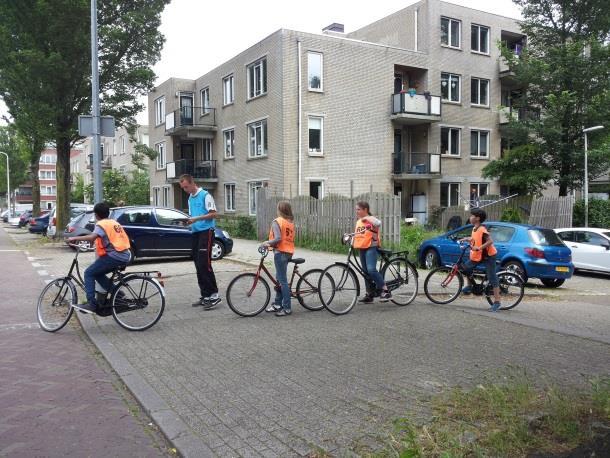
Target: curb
point(186, 442)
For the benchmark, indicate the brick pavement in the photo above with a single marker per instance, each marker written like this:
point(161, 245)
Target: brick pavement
point(58, 397)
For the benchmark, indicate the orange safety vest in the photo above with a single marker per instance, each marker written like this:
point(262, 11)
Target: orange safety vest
point(286, 244)
point(116, 236)
point(477, 240)
point(364, 238)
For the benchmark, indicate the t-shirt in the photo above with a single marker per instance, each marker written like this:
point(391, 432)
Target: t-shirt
point(121, 256)
point(201, 203)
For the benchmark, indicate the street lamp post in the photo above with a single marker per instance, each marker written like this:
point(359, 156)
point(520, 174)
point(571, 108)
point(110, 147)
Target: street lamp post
point(586, 190)
point(8, 184)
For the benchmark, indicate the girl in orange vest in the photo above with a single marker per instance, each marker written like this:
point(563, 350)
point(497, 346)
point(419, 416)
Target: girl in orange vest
point(367, 240)
point(281, 239)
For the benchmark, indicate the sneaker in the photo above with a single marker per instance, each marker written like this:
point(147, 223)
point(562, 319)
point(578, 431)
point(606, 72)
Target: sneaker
point(273, 308)
point(87, 307)
point(495, 307)
point(385, 296)
point(467, 290)
point(283, 312)
point(212, 302)
point(367, 299)
point(201, 301)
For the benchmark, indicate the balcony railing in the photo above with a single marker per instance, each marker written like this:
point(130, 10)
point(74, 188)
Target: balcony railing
point(416, 163)
point(106, 161)
point(416, 104)
point(202, 170)
point(521, 114)
point(190, 117)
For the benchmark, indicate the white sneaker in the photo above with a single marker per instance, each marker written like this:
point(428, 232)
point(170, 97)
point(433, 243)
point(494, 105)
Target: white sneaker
point(273, 308)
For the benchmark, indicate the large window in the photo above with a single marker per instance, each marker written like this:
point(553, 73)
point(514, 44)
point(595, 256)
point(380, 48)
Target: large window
point(123, 141)
point(47, 174)
point(48, 190)
point(314, 71)
point(478, 190)
point(257, 78)
point(160, 147)
point(207, 152)
point(450, 87)
point(205, 100)
point(479, 91)
point(257, 134)
point(165, 196)
point(479, 143)
point(450, 194)
point(167, 217)
point(229, 143)
point(479, 38)
point(253, 188)
point(160, 111)
point(156, 196)
point(228, 95)
point(230, 197)
point(450, 141)
point(450, 32)
point(315, 134)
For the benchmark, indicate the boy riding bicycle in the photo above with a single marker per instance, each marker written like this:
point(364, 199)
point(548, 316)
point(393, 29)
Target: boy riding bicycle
point(482, 251)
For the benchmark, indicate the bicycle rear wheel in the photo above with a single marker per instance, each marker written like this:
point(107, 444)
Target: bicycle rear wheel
point(307, 290)
point(137, 302)
point(54, 307)
point(442, 285)
point(512, 290)
point(401, 279)
point(338, 287)
point(248, 294)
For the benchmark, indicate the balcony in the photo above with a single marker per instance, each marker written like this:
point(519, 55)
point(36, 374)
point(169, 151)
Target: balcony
point(200, 170)
point(521, 114)
point(191, 122)
point(412, 109)
point(416, 166)
point(106, 162)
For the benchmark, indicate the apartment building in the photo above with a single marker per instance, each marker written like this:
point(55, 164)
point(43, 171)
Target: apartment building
point(411, 103)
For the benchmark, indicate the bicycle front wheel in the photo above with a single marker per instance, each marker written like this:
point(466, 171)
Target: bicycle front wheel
point(512, 290)
point(307, 290)
point(55, 302)
point(401, 279)
point(443, 286)
point(248, 294)
point(338, 288)
point(138, 302)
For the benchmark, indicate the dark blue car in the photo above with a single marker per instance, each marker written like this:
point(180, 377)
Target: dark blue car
point(530, 251)
point(39, 225)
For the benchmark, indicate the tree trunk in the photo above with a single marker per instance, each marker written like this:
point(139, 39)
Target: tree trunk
point(62, 214)
point(35, 167)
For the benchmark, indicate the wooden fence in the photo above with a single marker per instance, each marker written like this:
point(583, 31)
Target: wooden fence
point(329, 218)
point(552, 212)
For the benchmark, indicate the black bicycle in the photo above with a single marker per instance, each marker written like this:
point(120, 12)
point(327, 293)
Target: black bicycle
point(136, 300)
point(444, 284)
point(339, 286)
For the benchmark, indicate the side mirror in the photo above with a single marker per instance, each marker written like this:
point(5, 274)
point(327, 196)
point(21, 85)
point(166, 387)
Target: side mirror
point(606, 245)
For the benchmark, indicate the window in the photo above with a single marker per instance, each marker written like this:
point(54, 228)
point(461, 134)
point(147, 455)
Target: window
point(47, 174)
point(206, 151)
point(253, 188)
point(314, 71)
point(228, 90)
point(160, 147)
point(48, 190)
point(477, 190)
point(140, 216)
point(156, 196)
point(316, 189)
point(566, 236)
point(123, 141)
point(165, 196)
point(479, 143)
point(450, 32)
point(501, 234)
point(113, 147)
point(479, 38)
point(160, 111)
point(257, 78)
point(229, 143)
point(123, 169)
point(450, 141)
point(450, 87)
point(479, 91)
point(315, 134)
point(167, 217)
point(102, 148)
point(257, 134)
point(450, 194)
point(590, 238)
point(205, 101)
point(230, 197)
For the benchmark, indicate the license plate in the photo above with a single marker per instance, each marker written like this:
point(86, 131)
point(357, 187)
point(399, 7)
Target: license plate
point(562, 269)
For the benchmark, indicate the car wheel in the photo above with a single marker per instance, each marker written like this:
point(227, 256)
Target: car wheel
point(517, 268)
point(431, 259)
point(552, 282)
point(218, 250)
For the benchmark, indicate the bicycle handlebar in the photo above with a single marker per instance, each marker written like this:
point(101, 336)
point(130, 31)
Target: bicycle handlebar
point(263, 250)
point(81, 248)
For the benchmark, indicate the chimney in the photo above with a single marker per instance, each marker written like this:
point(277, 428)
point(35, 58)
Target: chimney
point(335, 27)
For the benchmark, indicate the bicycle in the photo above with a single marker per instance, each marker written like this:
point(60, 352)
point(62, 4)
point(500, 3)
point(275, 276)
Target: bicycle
point(136, 300)
point(444, 284)
point(339, 286)
point(248, 294)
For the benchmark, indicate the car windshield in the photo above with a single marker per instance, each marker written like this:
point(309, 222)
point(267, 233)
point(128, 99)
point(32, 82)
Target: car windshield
point(544, 237)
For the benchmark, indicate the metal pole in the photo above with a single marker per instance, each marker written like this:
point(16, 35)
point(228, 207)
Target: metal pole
point(586, 186)
point(8, 184)
point(95, 109)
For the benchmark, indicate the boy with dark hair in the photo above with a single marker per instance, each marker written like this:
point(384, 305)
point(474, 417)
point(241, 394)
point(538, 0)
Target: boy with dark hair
point(112, 247)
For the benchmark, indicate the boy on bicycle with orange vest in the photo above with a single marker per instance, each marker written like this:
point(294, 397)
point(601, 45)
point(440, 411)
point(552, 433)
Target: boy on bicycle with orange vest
point(112, 248)
point(482, 251)
point(281, 239)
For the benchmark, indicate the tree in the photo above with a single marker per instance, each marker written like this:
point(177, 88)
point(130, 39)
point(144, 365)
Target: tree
point(19, 158)
point(45, 65)
point(565, 69)
point(78, 188)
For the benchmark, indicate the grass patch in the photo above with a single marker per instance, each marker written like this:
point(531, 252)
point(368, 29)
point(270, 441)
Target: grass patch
point(510, 419)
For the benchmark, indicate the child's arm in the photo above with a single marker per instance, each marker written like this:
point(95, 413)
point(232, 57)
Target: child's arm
point(277, 235)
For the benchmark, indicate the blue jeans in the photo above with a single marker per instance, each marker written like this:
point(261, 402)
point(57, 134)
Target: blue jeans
point(490, 269)
point(368, 259)
point(96, 272)
point(282, 296)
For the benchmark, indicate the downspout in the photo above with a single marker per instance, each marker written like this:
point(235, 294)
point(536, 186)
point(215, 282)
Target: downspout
point(299, 102)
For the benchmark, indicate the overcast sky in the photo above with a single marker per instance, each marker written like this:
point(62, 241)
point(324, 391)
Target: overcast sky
point(238, 24)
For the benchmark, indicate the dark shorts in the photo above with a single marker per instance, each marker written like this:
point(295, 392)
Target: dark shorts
point(490, 268)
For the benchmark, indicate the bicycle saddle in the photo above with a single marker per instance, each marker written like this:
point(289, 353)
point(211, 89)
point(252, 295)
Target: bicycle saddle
point(297, 260)
point(122, 268)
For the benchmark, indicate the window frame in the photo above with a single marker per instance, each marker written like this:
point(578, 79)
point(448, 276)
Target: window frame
point(321, 151)
point(205, 151)
point(160, 117)
point(479, 81)
point(123, 145)
point(309, 87)
point(224, 143)
point(478, 34)
point(205, 102)
point(478, 132)
point(165, 192)
point(161, 154)
point(252, 196)
point(231, 80)
point(449, 91)
point(262, 80)
point(449, 185)
point(264, 138)
point(459, 38)
point(231, 195)
point(450, 143)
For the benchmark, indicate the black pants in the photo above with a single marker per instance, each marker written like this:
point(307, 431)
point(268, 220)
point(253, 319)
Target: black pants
point(201, 250)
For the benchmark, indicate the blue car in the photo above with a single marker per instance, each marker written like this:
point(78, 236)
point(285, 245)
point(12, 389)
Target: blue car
point(530, 251)
point(39, 225)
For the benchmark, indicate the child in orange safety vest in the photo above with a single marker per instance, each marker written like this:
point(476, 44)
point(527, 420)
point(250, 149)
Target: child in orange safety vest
point(112, 248)
point(281, 240)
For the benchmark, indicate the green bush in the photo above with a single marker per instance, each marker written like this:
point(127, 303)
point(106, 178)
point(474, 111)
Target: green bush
point(242, 227)
point(599, 213)
point(411, 237)
point(511, 215)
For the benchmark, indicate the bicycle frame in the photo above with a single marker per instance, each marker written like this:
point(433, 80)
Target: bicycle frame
point(457, 267)
point(276, 284)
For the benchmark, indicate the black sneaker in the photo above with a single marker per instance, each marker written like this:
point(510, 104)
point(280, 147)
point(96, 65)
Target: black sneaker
point(283, 312)
point(212, 302)
point(87, 307)
point(385, 296)
point(201, 301)
point(367, 299)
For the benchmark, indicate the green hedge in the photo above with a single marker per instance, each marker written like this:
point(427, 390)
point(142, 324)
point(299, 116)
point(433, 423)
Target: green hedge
point(599, 213)
point(241, 227)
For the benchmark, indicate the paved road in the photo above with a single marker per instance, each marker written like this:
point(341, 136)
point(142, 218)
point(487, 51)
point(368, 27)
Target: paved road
point(58, 397)
point(269, 386)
